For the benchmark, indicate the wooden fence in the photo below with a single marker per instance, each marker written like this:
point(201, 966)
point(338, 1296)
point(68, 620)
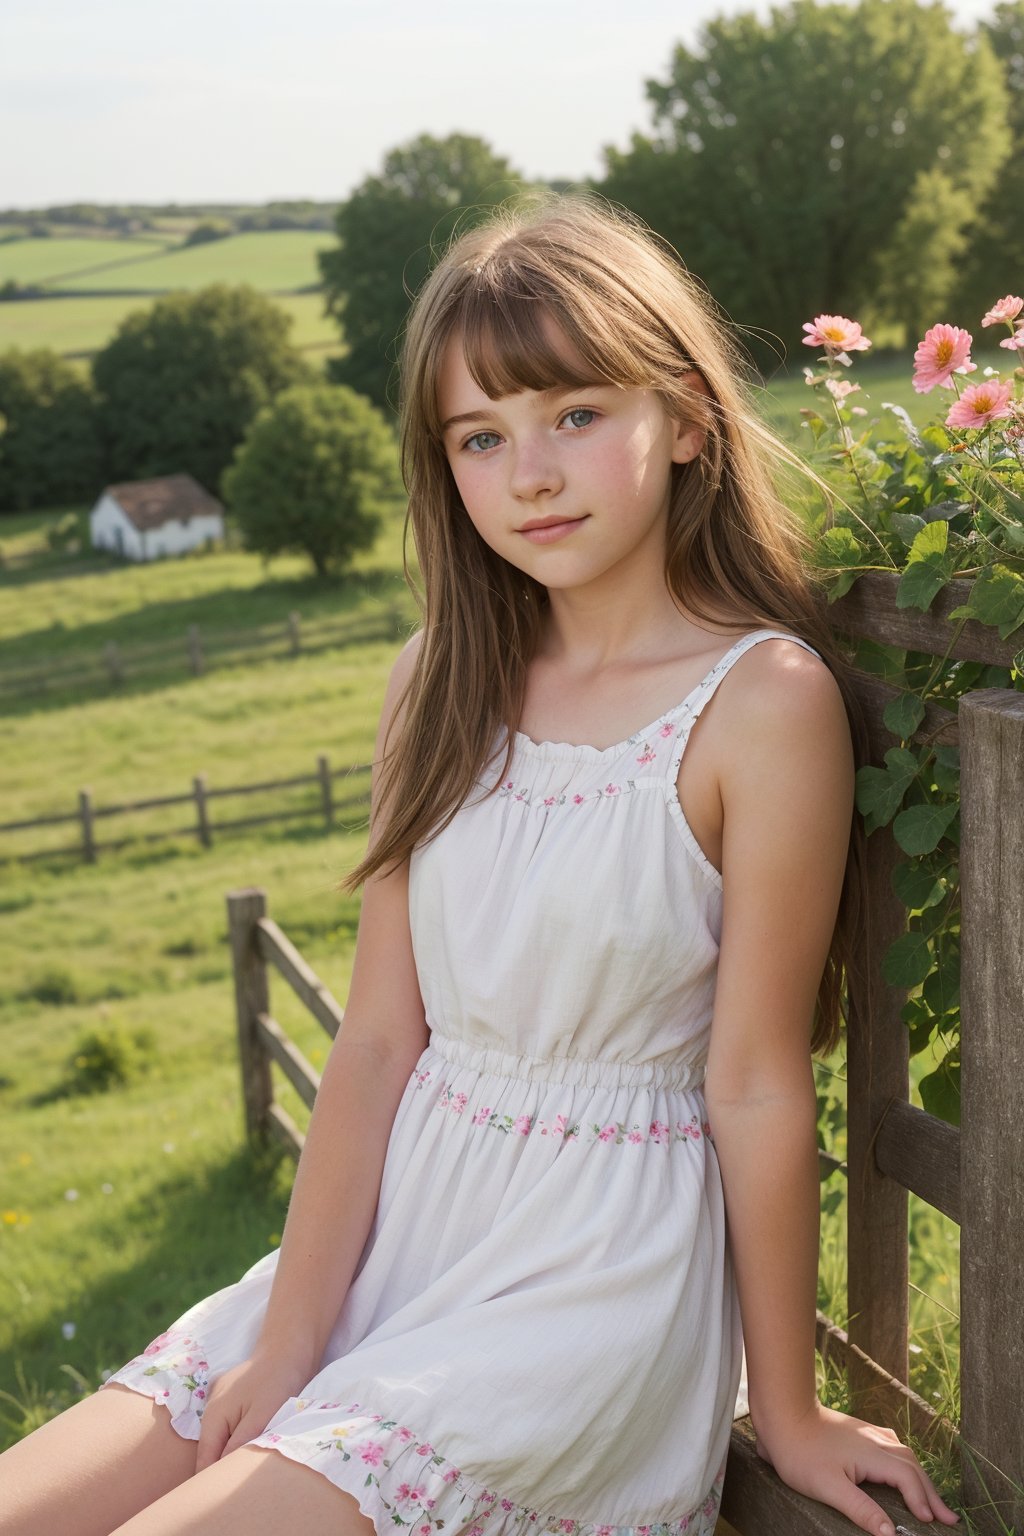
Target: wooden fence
point(973, 1173)
point(196, 651)
point(325, 806)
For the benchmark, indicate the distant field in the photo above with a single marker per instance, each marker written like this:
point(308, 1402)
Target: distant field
point(40, 261)
point(278, 261)
point(81, 326)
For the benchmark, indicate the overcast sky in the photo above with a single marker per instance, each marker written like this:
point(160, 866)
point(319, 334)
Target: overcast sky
point(239, 100)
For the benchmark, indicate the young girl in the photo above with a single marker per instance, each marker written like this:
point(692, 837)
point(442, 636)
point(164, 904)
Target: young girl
point(566, 1138)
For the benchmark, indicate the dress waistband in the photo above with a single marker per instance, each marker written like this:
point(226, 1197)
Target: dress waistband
point(582, 1071)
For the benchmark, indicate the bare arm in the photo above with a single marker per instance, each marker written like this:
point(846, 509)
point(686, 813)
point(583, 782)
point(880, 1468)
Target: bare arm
point(786, 774)
point(337, 1182)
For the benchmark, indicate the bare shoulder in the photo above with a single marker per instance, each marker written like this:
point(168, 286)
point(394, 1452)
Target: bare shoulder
point(780, 687)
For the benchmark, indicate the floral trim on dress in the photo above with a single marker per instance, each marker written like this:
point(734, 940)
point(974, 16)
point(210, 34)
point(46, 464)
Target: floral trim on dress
point(417, 1487)
point(521, 792)
point(179, 1377)
point(560, 1129)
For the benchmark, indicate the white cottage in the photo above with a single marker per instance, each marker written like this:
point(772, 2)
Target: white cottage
point(145, 519)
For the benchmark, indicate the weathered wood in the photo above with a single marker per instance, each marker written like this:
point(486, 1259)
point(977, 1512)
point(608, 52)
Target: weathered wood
point(992, 1070)
point(303, 980)
point(300, 1072)
point(202, 813)
point(922, 1153)
point(756, 1502)
point(939, 727)
point(246, 909)
point(323, 769)
point(85, 817)
point(878, 1072)
point(281, 1126)
point(869, 609)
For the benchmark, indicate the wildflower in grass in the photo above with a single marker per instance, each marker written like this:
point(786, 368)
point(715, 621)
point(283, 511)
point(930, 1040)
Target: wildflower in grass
point(68, 1330)
point(1004, 311)
point(10, 1218)
point(71, 1194)
point(943, 351)
point(1016, 341)
point(108, 1189)
point(837, 335)
point(840, 388)
point(981, 403)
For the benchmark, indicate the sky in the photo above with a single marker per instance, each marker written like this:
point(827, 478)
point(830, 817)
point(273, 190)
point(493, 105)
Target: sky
point(240, 100)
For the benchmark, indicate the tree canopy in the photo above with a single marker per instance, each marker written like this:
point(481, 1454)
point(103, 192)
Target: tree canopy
point(49, 448)
point(389, 230)
point(827, 160)
point(180, 382)
point(313, 475)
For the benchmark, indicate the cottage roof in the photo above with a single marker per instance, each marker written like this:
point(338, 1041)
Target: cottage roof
point(170, 498)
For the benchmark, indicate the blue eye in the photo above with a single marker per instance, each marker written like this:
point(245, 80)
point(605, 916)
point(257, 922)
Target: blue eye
point(580, 410)
point(476, 436)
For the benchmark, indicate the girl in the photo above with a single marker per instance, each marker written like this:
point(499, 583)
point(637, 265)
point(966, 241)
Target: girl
point(566, 1139)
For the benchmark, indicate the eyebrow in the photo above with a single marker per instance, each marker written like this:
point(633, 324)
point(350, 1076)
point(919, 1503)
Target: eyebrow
point(553, 392)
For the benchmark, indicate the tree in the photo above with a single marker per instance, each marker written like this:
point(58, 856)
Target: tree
point(313, 474)
point(180, 382)
point(50, 451)
point(791, 159)
point(996, 234)
point(389, 230)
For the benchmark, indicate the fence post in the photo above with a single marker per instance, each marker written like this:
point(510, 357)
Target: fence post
point(85, 815)
point(323, 768)
point(202, 812)
point(195, 650)
point(294, 633)
point(991, 1143)
point(112, 657)
point(252, 997)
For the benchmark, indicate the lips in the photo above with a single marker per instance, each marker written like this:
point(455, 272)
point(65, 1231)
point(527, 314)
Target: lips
point(549, 522)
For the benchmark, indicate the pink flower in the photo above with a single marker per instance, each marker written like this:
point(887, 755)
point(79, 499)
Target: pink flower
point(577, 799)
point(424, 1450)
point(943, 352)
point(1006, 309)
point(659, 1131)
point(611, 789)
point(507, 1504)
point(522, 1125)
point(451, 1475)
point(424, 1530)
point(667, 730)
point(200, 1392)
point(475, 1530)
point(509, 785)
point(606, 1133)
point(981, 403)
point(482, 1115)
point(603, 1530)
point(202, 1366)
point(271, 1434)
point(402, 1434)
point(648, 757)
point(402, 1492)
point(558, 1129)
point(634, 1137)
point(836, 334)
point(840, 388)
point(549, 800)
point(418, 1493)
point(1016, 341)
point(459, 1103)
point(372, 1454)
point(567, 1525)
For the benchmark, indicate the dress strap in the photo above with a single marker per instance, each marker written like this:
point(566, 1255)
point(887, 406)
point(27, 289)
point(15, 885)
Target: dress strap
point(696, 701)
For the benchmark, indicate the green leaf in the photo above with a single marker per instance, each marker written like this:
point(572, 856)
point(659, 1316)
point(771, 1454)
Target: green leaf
point(929, 567)
point(903, 714)
point(916, 886)
point(940, 1090)
point(996, 597)
point(907, 423)
point(908, 960)
point(920, 828)
point(840, 543)
point(941, 989)
point(907, 525)
point(880, 791)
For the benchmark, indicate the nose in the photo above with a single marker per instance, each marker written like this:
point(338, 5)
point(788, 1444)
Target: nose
point(534, 470)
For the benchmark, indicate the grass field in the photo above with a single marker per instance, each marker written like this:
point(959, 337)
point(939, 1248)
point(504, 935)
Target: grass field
point(43, 261)
point(121, 1209)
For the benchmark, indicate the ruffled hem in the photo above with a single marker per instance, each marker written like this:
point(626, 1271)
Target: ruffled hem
point(395, 1478)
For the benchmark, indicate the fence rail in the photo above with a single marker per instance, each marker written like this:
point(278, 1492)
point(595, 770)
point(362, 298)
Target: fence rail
point(87, 814)
point(973, 1173)
point(196, 651)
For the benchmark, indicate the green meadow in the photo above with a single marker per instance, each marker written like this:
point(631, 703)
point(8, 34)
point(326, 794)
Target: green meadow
point(119, 1209)
point(90, 285)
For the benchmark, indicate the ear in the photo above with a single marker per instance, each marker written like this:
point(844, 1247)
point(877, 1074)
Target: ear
point(689, 440)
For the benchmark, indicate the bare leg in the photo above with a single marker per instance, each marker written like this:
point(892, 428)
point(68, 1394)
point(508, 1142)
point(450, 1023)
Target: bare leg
point(93, 1466)
point(253, 1491)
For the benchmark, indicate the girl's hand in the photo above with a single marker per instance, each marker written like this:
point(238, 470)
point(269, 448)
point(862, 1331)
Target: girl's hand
point(242, 1403)
point(826, 1454)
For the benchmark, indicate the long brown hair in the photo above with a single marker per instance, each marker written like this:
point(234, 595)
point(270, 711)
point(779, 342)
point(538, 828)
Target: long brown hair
point(635, 317)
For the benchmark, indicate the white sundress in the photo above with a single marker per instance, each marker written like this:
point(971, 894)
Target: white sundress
point(543, 1331)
